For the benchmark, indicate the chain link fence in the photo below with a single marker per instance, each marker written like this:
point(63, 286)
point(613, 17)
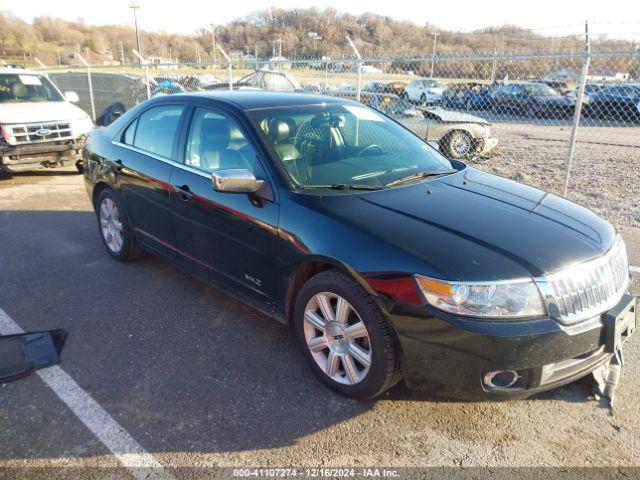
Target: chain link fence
point(568, 123)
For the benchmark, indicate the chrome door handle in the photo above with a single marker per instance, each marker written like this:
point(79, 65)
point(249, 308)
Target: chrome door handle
point(185, 193)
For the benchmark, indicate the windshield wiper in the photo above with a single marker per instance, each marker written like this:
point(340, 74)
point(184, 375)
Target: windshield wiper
point(417, 176)
point(343, 186)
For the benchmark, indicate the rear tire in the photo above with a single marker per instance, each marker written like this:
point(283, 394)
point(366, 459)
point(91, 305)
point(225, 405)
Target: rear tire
point(115, 231)
point(343, 344)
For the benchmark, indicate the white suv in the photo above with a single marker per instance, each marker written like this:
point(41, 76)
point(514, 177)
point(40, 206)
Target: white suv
point(39, 127)
point(426, 91)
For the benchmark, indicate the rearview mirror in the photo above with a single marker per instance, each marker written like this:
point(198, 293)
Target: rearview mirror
point(236, 180)
point(71, 97)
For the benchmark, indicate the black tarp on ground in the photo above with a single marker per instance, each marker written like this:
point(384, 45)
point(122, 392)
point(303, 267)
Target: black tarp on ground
point(22, 353)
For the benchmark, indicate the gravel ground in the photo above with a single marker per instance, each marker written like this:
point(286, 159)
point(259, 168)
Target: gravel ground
point(605, 178)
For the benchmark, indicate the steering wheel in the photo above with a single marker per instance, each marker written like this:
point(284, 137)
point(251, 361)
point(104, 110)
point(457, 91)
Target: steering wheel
point(370, 148)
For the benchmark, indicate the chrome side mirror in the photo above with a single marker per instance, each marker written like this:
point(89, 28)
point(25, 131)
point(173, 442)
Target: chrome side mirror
point(235, 180)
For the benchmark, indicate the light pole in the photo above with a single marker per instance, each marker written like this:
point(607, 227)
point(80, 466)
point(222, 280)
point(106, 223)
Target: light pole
point(135, 6)
point(213, 44)
point(433, 55)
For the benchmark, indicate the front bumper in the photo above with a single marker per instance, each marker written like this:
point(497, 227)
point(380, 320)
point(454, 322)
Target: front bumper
point(16, 158)
point(486, 145)
point(450, 356)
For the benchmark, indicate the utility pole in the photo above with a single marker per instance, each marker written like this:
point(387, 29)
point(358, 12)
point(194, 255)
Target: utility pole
point(433, 55)
point(495, 54)
point(213, 43)
point(135, 6)
point(359, 67)
point(122, 61)
point(578, 107)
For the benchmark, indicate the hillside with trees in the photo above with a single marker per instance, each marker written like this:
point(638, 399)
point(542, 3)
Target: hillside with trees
point(300, 33)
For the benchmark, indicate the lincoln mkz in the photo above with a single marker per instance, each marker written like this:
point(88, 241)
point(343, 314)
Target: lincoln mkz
point(388, 260)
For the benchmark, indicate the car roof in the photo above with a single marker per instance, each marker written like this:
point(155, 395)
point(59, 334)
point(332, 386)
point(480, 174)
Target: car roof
point(250, 100)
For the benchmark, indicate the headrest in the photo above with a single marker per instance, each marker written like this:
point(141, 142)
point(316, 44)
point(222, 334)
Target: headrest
point(281, 129)
point(19, 90)
point(215, 131)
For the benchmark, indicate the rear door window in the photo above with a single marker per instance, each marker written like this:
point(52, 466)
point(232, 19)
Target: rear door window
point(157, 128)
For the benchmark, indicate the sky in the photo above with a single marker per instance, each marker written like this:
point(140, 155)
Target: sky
point(620, 18)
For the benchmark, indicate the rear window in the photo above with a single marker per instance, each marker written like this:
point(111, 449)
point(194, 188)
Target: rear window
point(156, 129)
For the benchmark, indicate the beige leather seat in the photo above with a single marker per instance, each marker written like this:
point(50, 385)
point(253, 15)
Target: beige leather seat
point(215, 153)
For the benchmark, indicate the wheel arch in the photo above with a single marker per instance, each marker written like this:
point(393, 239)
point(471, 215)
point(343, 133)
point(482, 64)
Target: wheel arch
point(307, 268)
point(97, 190)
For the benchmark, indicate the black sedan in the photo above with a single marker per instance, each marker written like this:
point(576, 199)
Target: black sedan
point(531, 100)
point(389, 261)
point(619, 102)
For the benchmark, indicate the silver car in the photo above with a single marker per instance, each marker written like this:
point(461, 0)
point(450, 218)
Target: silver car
point(457, 134)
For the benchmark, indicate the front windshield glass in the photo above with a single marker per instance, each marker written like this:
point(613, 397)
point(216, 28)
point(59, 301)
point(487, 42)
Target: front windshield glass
point(347, 145)
point(26, 87)
point(433, 83)
point(540, 90)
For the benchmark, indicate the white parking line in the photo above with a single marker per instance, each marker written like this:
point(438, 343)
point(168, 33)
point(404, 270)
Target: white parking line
point(634, 269)
point(138, 461)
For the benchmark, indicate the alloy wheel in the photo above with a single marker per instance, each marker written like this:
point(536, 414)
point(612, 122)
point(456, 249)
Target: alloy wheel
point(337, 338)
point(111, 225)
point(461, 143)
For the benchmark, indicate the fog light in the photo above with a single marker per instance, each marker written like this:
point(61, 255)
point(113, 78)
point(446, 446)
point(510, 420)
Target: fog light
point(500, 378)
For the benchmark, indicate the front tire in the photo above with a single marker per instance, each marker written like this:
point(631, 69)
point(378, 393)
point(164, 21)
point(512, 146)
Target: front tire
point(345, 337)
point(115, 231)
point(457, 144)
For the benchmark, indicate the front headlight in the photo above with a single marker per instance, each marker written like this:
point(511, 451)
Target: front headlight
point(518, 298)
point(81, 126)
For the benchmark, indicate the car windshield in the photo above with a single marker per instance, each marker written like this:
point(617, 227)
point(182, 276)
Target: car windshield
point(540, 90)
point(26, 87)
point(345, 145)
point(433, 84)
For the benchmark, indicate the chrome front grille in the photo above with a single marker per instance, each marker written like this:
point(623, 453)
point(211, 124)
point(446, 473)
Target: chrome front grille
point(588, 289)
point(41, 132)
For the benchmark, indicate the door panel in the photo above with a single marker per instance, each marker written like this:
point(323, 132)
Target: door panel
point(228, 236)
point(144, 173)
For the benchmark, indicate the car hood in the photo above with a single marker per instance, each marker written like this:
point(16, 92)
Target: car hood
point(450, 116)
point(475, 226)
point(36, 112)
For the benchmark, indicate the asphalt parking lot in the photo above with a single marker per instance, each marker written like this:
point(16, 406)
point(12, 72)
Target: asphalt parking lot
point(195, 378)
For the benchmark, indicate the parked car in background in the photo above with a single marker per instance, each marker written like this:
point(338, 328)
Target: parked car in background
point(589, 90)
point(531, 100)
point(39, 126)
point(389, 261)
point(395, 87)
point(113, 93)
point(560, 86)
point(469, 96)
point(263, 79)
point(458, 135)
point(375, 86)
point(425, 91)
point(619, 102)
